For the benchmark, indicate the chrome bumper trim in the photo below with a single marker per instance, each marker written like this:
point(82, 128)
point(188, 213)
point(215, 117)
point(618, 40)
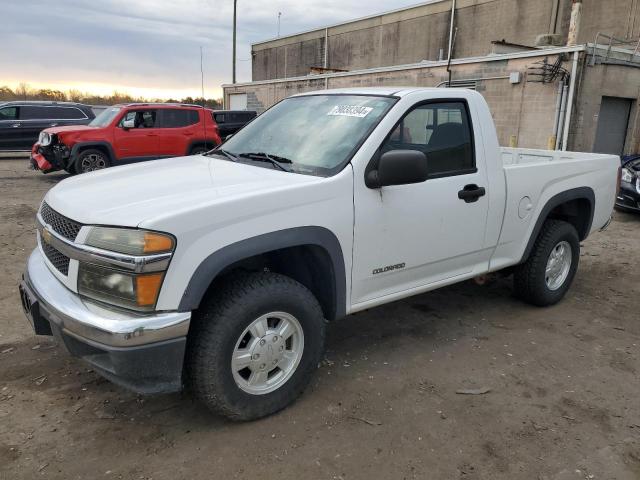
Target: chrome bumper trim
point(85, 253)
point(87, 320)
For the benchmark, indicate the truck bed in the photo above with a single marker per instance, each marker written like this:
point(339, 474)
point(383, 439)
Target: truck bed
point(528, 156)
point(533, 177)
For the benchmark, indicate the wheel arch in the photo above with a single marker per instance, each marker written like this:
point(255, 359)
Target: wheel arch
point(311, 255)
point(209, 143)
point(99, 145)
point(575, 206)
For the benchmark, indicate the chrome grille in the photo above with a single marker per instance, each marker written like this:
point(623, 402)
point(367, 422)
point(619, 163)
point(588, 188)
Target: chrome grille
point(57, 259)
point(60, 224)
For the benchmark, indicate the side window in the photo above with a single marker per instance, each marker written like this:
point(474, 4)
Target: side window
point(32, 112)
point(140, 118)
point(174, 118)
point(219, 117)
point(69, 113)
point(9, 113)
point(442, 131)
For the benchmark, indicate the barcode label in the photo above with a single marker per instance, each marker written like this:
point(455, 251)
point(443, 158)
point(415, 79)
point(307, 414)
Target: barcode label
point(350, 111)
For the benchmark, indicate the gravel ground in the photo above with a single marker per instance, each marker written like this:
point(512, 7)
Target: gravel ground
point(563, 400)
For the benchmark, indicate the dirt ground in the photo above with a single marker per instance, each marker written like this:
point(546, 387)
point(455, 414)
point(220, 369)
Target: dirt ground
point(564, 399)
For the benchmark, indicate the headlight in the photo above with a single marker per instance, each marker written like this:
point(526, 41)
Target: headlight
point(128, 290)
point(128, 241)
point(119, 286)
point(627, 175)
point(44, 139)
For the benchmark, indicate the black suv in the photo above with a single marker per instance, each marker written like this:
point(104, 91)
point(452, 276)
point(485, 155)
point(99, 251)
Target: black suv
point(21, 122)
point(230, 121)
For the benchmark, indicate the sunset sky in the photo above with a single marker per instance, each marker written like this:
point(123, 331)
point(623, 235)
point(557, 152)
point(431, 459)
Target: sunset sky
point(150, 48)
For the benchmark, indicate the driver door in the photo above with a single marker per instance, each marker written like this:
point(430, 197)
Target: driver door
point(137, 135)
point(410, 236)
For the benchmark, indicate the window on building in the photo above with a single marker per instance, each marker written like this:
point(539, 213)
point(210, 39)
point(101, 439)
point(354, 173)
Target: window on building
point(442, 131)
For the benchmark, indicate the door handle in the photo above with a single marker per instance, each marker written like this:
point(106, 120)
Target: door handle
point(53, 125)
point(16, 125)
point(471, 193)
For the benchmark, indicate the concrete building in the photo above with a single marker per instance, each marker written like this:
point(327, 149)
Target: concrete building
point(556, 73)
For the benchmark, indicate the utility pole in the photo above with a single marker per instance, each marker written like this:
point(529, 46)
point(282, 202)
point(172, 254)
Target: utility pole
point(279, 15)
point(235, 4)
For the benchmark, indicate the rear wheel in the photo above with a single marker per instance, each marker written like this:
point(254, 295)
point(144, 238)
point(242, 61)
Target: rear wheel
point(549, 271)
point(255, 345)
point(199, 150)
point(90, 160)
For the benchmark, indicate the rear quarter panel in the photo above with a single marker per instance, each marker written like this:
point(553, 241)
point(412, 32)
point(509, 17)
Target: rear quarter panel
point(534, 177)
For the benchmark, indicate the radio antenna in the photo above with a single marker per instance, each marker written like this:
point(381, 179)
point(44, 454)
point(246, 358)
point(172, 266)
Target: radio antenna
point(204, 112)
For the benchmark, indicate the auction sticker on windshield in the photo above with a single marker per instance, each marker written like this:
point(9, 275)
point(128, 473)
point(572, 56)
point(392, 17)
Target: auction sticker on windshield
point(350, 111)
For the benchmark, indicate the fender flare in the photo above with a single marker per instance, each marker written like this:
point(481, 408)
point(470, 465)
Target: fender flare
point(97, 143)
point(580, 193)
point(215, 263)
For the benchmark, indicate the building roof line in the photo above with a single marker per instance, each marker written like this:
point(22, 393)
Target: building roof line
point(425, 63)
point(346, 22)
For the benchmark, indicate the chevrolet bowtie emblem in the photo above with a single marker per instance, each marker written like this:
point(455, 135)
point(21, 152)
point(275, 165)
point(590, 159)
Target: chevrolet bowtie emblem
point(46, 235)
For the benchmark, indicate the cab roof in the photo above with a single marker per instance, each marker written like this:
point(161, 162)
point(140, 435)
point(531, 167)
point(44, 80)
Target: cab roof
point(382, 91)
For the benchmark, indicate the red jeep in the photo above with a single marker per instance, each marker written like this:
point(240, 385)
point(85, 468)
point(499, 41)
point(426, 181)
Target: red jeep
point(124, 134)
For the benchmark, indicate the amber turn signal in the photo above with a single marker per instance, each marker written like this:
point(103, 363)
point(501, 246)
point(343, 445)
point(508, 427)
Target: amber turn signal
point(147, 288)
point(156, 242)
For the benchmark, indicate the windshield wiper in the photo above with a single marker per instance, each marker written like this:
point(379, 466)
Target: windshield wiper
point(275, 160)
point(230, 156)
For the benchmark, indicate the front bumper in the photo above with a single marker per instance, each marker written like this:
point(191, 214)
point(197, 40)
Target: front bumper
point(50, 158)
point(144, 353)
point(629, 197)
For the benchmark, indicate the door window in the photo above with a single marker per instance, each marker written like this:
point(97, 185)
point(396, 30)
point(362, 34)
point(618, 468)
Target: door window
point(141, 118)
point(442, 131)
point(9, 113)
point(174, 118)
point(69, 113)
point(219, 117)
point(41, 112)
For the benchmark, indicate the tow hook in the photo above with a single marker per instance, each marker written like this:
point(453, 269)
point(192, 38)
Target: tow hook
point(606, 225)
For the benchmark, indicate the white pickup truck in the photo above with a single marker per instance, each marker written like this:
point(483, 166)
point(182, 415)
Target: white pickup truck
point(218, 272)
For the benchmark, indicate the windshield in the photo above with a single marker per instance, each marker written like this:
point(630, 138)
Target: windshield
point(315, 134)
point(105, 117)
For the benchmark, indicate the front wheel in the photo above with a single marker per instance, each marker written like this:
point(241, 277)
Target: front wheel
point(254, 345)
point(90, 160)
point(548, 272)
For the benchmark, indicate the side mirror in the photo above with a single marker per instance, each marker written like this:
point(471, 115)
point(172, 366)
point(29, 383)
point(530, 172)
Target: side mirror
point(399, 167)
point(127, 124)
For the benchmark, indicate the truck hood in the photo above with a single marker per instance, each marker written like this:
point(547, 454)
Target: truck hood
point(130, 195)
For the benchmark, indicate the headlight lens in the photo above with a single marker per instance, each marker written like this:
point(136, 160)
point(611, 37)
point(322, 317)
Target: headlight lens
point(128, 241)
point(44, 139)
point(134, 291)
point(137, 291)
point(627, 175)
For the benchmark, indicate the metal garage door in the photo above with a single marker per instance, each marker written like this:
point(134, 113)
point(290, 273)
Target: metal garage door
point(238, 101)
point(613, 122)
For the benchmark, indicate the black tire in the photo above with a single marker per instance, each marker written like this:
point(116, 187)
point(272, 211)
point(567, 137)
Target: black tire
point(529, 280)
point(90, 160)
point(217, 327)
point(199, 149)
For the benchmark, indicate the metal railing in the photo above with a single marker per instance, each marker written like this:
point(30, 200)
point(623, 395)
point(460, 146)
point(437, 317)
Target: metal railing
point(614, 49)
